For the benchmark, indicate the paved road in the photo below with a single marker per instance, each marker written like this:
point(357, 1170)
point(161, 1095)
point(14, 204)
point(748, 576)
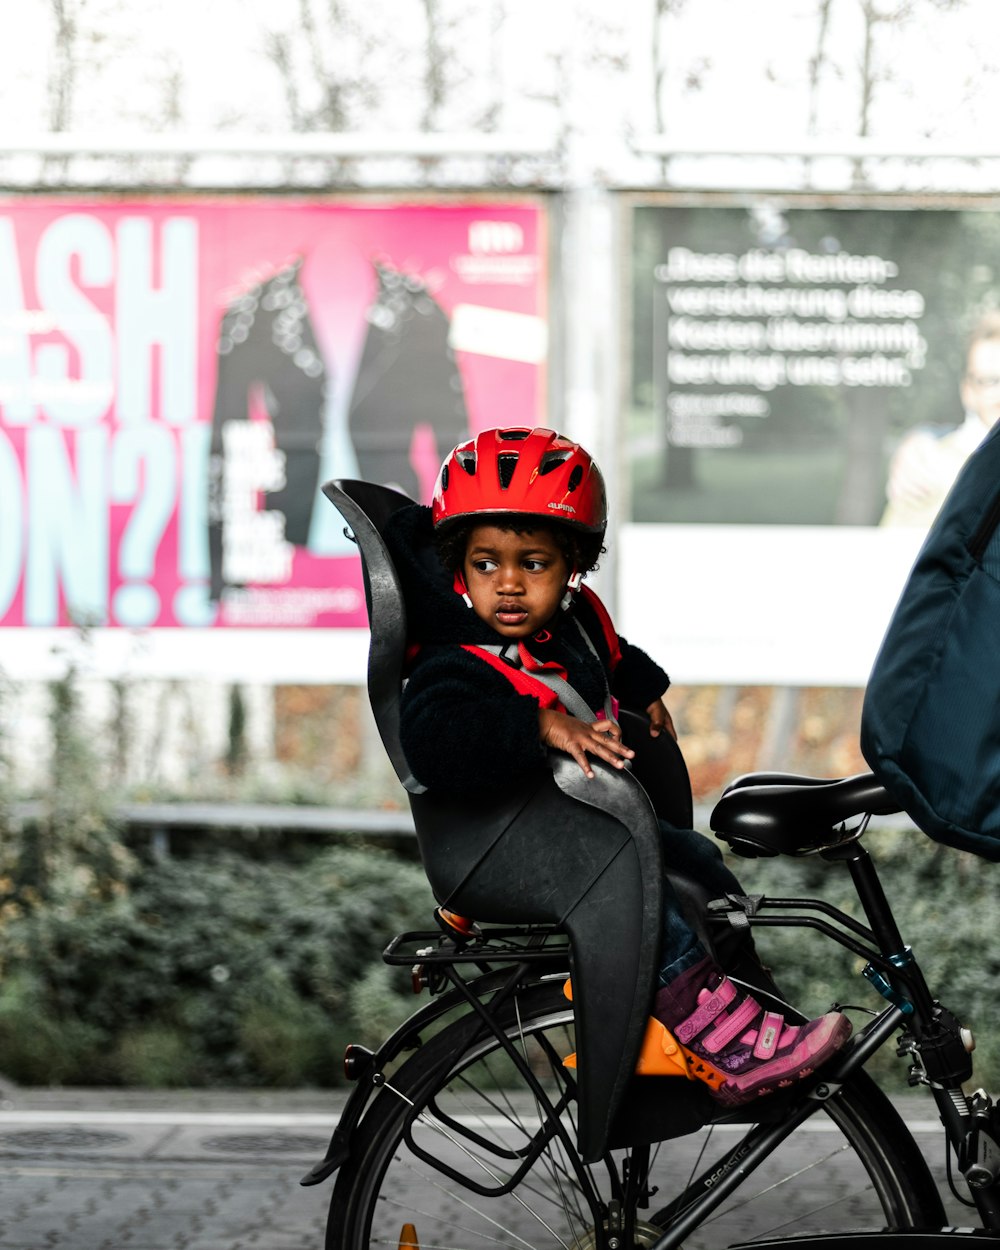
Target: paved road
point(101, 1170)
point(113, 1170)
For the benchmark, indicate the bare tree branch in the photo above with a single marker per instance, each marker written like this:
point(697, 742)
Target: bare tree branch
point(277, 48)
point(434, 66)
point(62, 80)
point(817, 62)
point(871, 18)
point(891, 17)
point(323, 63)
point(663, 10)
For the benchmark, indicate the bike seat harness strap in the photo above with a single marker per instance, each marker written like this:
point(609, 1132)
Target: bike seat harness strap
point(516, 656)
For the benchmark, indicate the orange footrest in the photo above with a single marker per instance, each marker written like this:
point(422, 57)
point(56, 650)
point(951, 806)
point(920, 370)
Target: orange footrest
point(662, 1054)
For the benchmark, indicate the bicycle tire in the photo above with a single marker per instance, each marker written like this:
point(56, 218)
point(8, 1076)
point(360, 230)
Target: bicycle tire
point(883, 1180)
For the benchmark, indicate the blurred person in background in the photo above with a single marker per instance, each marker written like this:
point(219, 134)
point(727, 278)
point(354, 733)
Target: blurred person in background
point(927, 462)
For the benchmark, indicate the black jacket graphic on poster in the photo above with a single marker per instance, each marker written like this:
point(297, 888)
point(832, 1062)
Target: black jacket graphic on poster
point(407, 406)
point(408, 384)
point(269, 370)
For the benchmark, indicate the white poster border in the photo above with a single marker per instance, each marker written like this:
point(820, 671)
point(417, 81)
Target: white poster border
point(788, 605)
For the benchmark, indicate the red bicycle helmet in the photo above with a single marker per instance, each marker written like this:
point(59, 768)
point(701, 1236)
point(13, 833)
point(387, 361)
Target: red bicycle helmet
point(532, 472)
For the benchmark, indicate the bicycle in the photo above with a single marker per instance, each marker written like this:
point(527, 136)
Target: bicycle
point(467, 1127)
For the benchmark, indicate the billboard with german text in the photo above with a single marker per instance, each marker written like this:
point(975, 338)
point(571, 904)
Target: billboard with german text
point(783, 354)
point(806, 377)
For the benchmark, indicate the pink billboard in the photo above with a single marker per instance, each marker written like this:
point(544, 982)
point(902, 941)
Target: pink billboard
point(179, 377)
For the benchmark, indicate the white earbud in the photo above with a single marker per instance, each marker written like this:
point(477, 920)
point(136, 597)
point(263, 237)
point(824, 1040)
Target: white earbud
point(572, 585)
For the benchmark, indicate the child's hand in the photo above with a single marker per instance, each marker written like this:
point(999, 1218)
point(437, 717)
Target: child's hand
point(659, 719)
point(577, 738)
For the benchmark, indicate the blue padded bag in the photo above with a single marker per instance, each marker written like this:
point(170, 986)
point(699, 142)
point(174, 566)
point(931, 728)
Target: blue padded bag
point(930, 725)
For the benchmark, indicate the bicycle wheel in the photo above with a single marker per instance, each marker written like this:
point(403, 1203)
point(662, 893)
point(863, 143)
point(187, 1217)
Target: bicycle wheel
point(453, 1153)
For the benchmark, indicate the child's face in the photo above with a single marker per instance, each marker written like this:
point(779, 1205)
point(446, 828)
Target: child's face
point(515, 581)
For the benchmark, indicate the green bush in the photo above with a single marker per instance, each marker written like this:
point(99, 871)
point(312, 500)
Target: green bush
point(156, 1056)
point(287, 1040)
point(38, 1048)
point(376, 1007)
point(77, 850)
point(251, 965)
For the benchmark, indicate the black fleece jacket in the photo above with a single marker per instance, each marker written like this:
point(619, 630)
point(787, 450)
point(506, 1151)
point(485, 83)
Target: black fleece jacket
point(464, 727)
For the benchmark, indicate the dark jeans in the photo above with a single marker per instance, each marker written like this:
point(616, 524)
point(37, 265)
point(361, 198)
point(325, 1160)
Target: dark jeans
point(696, 856)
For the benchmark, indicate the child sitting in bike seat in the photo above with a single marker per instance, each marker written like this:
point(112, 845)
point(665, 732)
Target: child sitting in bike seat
point(518, 519)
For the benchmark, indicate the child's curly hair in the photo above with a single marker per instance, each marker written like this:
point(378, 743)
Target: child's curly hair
point(581, 550)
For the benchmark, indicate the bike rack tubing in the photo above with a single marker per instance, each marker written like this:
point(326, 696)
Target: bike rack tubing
point(910, 975)
point(821, 926)
point(487, 1026)
point(812, 904)
point(474, 953)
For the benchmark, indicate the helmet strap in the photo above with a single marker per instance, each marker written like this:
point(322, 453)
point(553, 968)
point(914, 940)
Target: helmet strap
point(572, 586)
point(460, 588)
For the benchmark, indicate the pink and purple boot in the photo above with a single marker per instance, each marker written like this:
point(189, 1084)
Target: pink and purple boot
point(730, 1042)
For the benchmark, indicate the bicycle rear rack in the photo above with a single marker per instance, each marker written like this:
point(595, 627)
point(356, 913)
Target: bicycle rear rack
point(514, 944)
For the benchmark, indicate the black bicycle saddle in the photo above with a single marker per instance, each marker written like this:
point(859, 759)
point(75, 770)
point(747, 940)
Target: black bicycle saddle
point(763, 814)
